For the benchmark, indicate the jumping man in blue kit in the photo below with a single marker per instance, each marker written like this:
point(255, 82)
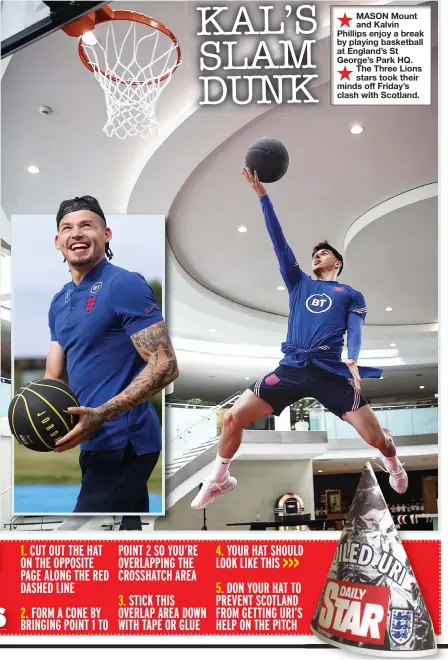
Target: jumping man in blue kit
point(322, 310)
point(110, 345)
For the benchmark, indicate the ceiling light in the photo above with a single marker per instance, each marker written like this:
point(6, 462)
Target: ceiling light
point(422, 387)
point(392, 345)
point(388, 309)
point(32, 169)
point(356, 129)
point(242, 229)
point(280, 288)
point(89, 38)
point(320, 470)
point(247, 378)
point(212, 330)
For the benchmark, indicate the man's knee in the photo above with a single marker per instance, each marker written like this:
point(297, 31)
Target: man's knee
point(233, 419)
point(378, 438)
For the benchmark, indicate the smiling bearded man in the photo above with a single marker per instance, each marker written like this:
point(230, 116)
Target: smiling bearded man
point(110, 345)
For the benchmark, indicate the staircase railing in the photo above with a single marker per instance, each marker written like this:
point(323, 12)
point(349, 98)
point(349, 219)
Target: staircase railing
point(194, 439)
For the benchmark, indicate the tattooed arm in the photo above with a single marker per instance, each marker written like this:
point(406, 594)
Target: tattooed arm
point(154, 346)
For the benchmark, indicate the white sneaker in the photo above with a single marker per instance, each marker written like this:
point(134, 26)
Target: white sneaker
point(210, 490)
point(398, 479)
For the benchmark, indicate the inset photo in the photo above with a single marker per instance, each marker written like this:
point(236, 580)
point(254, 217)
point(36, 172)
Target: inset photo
point(91, 358)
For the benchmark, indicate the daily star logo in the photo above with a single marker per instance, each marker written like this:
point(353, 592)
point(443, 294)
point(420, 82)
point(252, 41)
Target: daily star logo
point(353, 611)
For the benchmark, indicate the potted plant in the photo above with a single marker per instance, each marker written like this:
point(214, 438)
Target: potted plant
point(194, 402)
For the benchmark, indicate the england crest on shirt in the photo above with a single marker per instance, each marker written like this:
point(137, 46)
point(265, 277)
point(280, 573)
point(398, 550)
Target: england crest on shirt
point(401, 625)
point(90, 303)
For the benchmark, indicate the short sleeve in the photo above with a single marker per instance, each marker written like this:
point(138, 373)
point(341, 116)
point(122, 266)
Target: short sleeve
point(134, 302)
point(51, 323)
point(358, 305)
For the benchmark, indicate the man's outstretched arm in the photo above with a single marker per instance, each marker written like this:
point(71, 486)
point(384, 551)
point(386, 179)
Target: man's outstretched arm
point(289, 267)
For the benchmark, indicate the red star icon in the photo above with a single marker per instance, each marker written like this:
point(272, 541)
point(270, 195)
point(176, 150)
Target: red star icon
point(345, 20)
point(345, 73)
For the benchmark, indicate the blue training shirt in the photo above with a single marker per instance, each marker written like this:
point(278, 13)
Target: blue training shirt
point(320, 313)
point(93, 322)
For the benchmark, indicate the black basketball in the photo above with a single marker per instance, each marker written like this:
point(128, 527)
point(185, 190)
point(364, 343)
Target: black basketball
point(37, 414)
point(269, 158)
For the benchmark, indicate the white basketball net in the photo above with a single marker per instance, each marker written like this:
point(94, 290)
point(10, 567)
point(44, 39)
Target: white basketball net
point(131, 107)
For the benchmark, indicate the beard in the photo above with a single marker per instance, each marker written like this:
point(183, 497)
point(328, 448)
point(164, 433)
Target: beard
point(84, 258)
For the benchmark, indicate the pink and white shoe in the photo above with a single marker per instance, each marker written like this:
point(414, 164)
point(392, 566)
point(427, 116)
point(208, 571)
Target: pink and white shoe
point(399, 478)
point(210, 490)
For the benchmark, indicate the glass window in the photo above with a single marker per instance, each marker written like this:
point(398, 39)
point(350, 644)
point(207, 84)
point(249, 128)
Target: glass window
point(399, 421)
point(425, 420)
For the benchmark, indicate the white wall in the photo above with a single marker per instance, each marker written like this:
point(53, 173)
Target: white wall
point(283, 421)
point(260, 483)
point(5, 475)
point(5, 224)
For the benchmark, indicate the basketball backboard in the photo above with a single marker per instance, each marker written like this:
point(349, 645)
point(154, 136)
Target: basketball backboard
point(25, 21)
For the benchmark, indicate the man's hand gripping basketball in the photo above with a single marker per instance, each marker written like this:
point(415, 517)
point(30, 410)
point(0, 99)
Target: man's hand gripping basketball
point(89, 421)
point(254, 181)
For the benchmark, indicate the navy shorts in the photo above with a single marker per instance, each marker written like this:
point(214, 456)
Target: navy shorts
point(115, 481)
point(286, 385)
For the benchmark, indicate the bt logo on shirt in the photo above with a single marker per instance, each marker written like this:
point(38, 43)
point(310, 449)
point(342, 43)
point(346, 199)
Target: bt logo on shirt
point(318, 303)
point(96, 287)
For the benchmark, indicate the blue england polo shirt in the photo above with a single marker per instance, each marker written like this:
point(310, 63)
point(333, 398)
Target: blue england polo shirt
point(93, 322)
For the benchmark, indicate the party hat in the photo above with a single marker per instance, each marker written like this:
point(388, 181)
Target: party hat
point(371, 602)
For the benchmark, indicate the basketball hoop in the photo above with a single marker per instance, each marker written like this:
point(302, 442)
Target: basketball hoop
point(133, 57)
